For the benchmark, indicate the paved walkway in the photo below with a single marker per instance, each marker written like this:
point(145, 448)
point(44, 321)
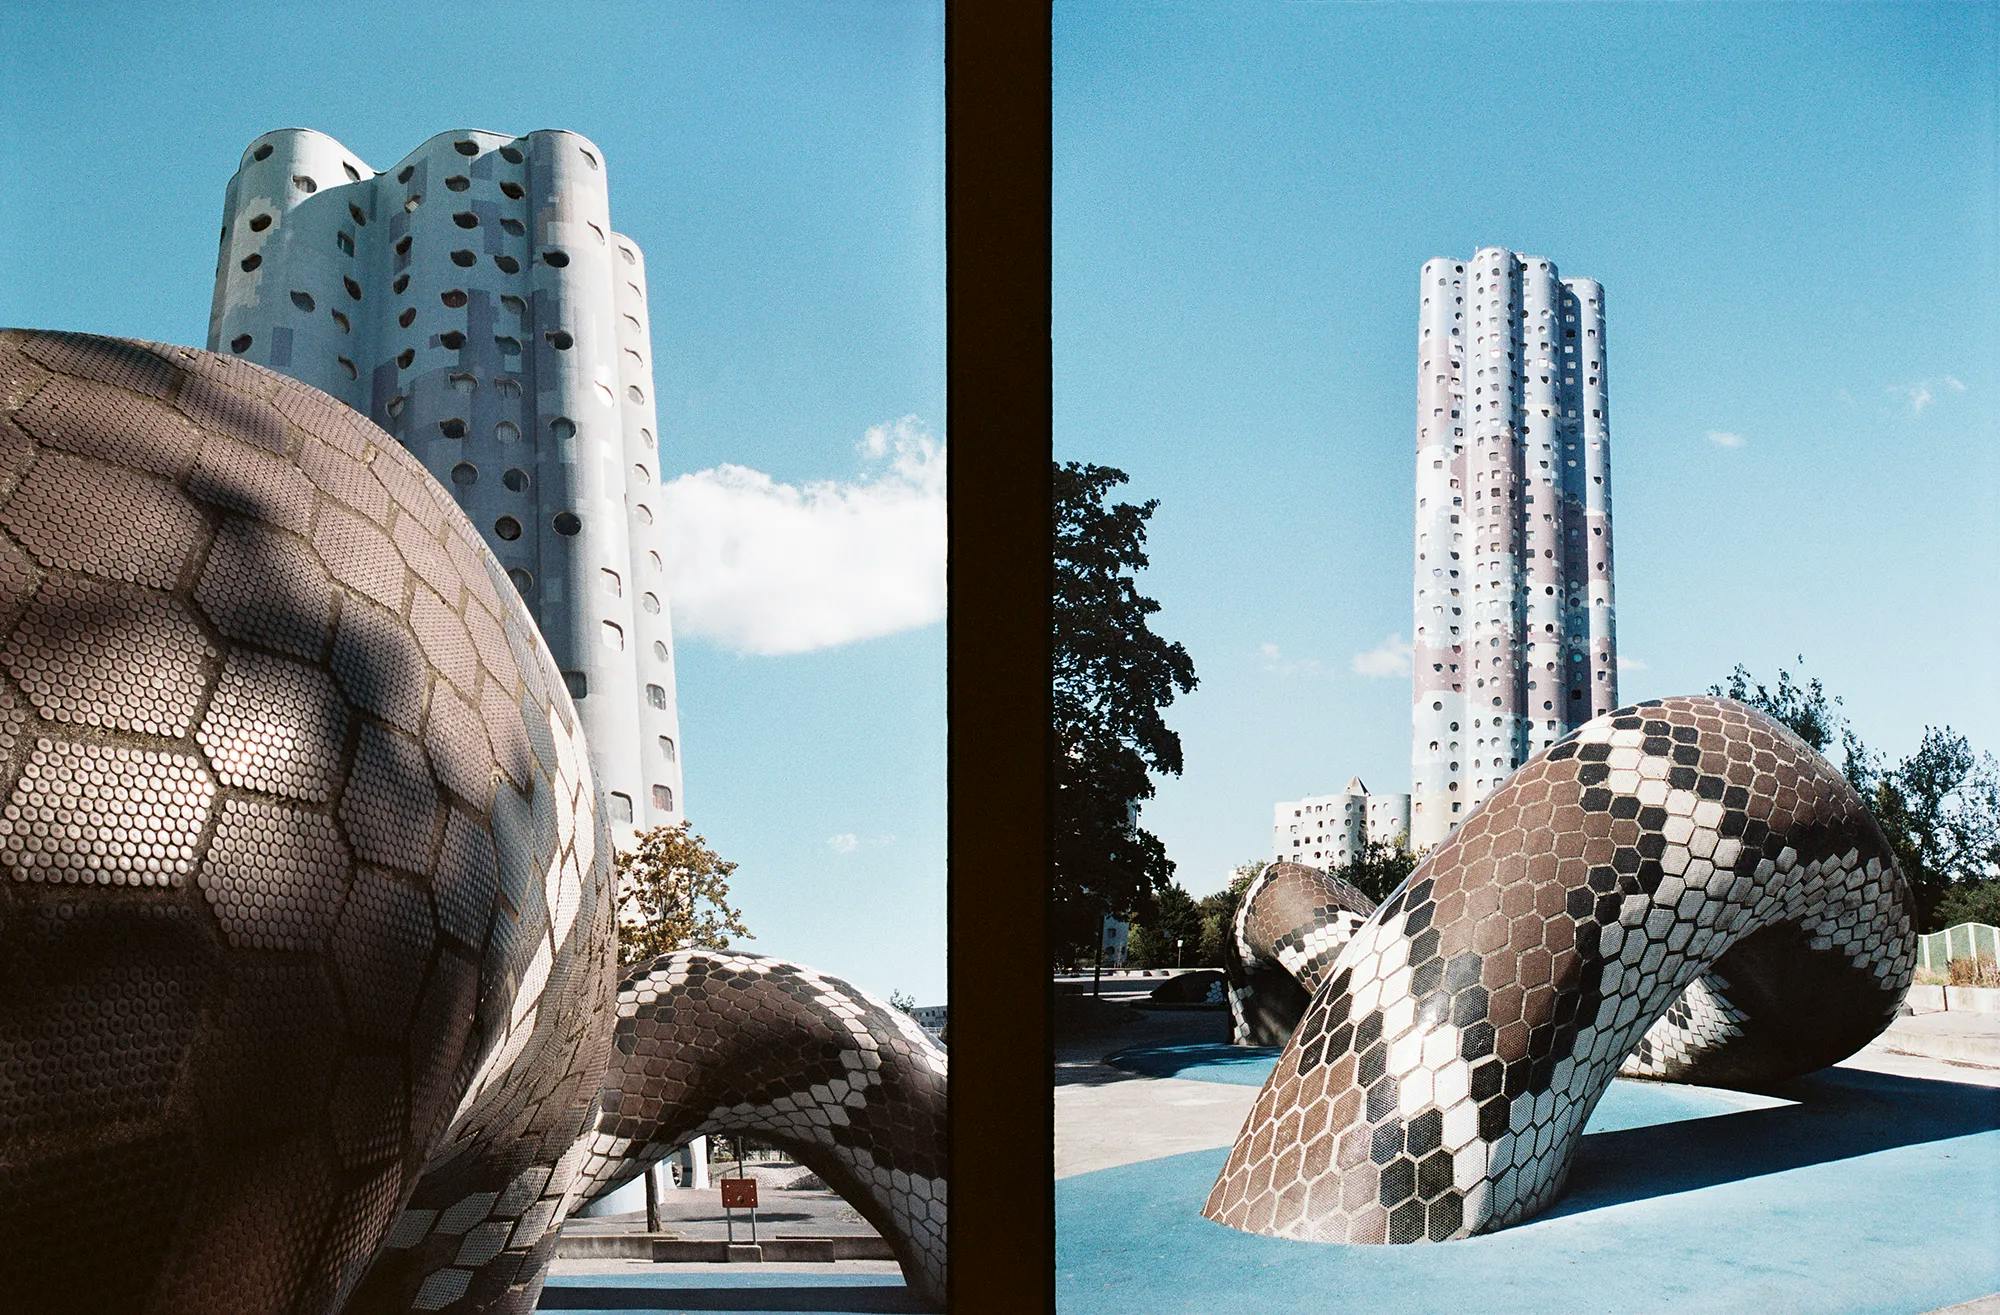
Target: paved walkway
point(602, 1287)
point(697, 1214)
point(1872, 1187)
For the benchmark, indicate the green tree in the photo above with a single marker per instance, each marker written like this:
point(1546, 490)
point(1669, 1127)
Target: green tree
point(1939, 808)
point(1143, 949)
point(1969, 901)
point(1815, 717)
point(1169, 932)
point(902, 1000)
point(1218, 914)
point(1111, 678)
point(1379, 868)
point(673, 894)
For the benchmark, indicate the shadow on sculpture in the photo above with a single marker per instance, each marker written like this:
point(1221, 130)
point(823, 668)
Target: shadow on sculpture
point(1682, 888)
point(307, 958)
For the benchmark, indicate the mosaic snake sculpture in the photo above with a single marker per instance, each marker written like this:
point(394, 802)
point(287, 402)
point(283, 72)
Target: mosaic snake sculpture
point(1288, 929)
point(1681, 889)
point(307, 956)
point(720, 1042)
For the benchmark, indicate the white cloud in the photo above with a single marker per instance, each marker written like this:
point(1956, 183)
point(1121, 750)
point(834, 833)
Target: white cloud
point(846, 842)
point(1631, 663)
point(1273, 660)
point(766, 567)
point(1922, 393)
point(1723, 438)
point(1391, 657)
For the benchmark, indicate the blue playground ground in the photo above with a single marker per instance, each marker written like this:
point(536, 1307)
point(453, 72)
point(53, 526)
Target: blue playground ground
point(1847, 1191)
point(741, 1293)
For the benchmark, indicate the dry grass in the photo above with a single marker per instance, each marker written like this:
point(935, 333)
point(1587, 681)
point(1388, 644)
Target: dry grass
point(1972, 972)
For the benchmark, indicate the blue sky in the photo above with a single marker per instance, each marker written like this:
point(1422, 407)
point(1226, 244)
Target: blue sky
point(782, 166)
point(1795, 213)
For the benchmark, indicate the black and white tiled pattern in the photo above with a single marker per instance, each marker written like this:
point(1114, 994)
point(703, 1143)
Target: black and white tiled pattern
point(1289, 928)
point(713, 1041)
point(1682, 888)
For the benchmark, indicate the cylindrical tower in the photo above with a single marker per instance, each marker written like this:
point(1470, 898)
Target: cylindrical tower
point(586, 558)
point(1437, 687)
point(1516, 498)
point(290, 279)
point(659, 723)
point(472, 301)
point(1493, 642)
point(1593, 416)
point(1541, 505)
point(1576, 699)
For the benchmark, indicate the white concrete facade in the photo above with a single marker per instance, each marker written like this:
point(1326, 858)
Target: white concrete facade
point(474, 301)
point(1328, 830)
point(1515, 642)
point(1117, 935)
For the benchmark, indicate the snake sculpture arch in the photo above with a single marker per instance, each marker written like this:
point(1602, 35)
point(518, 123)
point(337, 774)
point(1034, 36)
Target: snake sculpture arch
point(712, 1041)
point(307, 956)
point(1288, 929)
point(1681, 889)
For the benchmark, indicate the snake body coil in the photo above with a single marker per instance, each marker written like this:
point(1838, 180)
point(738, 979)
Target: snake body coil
point(1682, 888)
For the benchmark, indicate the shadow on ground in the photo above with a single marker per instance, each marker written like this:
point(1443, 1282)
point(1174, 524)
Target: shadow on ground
point(1205, 1061)
point(1835, 1114)
point(1846, 1191)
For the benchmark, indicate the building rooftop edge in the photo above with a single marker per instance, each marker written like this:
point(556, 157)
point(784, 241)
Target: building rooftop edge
point(447, 132)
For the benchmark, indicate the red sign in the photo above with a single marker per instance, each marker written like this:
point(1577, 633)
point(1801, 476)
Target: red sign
point(739, 1193)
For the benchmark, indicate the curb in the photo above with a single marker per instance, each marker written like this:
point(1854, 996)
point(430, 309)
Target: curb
point(665, 1248)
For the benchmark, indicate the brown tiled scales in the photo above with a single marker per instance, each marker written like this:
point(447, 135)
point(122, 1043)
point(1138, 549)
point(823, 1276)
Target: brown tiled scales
point(291, 942)
point(1680, 889)
point(1290, 926)
point(307, 960)
point(717, 1041)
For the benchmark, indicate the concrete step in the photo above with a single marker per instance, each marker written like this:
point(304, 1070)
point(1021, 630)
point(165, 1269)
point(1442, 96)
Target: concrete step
point(1956, 999)
point(1954, 1037)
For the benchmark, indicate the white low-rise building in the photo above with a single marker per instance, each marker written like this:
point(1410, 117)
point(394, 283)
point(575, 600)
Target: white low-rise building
point(1328, 830)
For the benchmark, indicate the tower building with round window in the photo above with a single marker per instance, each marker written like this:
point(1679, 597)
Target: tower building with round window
point(473, 300)
point(1514, 639)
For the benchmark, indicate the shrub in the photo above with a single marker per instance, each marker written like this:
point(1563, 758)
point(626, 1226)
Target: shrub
point(1973, 972)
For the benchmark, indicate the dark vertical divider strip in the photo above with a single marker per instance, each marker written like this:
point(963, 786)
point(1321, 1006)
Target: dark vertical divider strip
point(997, 227)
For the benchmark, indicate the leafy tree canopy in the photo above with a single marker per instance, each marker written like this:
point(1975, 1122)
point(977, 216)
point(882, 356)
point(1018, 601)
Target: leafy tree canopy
point(1112, 677)
point(1169, 933)
point(1813, 716)
point(1969, 901)
point(673, 894)
point(1379, 868)
point(1218, 913)
point(1939, 807)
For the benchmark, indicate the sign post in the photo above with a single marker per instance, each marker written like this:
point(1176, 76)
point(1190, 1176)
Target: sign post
point(740, 1193)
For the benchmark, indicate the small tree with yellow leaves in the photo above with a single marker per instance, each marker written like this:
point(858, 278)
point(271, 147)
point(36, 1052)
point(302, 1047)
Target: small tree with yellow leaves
point(673, 894)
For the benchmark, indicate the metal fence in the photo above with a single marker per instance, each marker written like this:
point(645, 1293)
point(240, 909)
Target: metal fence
point(1968, 940)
